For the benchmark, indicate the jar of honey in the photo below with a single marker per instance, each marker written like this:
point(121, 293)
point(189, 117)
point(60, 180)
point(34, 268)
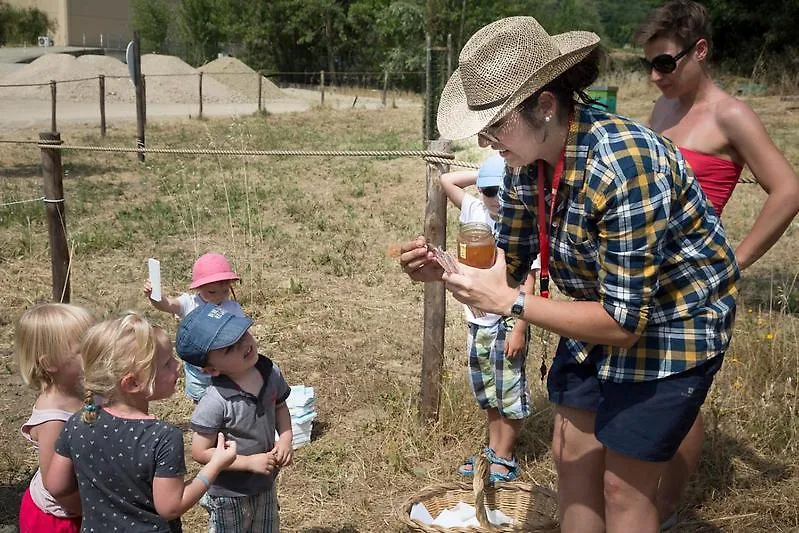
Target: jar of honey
point(476, 246)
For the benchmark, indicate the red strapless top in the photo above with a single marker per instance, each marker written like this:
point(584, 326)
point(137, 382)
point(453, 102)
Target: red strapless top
point(717, 177)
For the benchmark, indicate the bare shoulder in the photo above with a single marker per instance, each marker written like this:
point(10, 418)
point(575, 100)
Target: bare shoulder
point(734, 115)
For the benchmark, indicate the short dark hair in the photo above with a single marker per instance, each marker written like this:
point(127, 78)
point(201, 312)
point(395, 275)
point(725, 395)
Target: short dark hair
point(683, 20)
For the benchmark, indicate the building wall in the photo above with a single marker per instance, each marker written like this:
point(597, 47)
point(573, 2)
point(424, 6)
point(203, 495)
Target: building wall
point(92, 19)
point(77, 20)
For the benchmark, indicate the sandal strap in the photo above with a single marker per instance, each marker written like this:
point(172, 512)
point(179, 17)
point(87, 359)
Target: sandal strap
point(493, 458)
point(495, 477)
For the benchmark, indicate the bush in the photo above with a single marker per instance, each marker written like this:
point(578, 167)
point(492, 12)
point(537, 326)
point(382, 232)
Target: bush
point(23, 25)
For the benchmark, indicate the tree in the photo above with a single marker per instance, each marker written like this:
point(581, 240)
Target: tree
point(20, 26)
point(201, 27)
point(151, 18)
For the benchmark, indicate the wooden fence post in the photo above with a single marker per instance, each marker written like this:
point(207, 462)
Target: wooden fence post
point(144, 98)
point(101, 77)
point(322, 85)
point(435, 230)
point(200, 74)
point(53, 173)
point(260, 83)
point(385, 88)
point(138, 81)
point(52, 105)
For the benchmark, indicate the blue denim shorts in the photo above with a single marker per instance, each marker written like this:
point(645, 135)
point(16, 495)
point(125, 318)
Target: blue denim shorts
point(646, 420)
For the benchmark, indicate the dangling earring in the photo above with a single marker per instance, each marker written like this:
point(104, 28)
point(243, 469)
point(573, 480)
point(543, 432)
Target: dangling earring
point(547, 118)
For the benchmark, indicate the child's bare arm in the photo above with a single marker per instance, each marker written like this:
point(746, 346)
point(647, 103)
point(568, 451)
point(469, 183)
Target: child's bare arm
point(46, 435)
point(60, 481)
point(168, 304)
point(454, 184)
point(173, 496)
point(284, 450)
point(202, 449)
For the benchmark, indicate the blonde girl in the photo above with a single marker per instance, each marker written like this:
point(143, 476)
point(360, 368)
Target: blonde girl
point(127, 464)
point(47, 341)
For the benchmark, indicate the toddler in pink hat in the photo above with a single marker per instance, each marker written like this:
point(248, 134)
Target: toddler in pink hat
point(212, 280)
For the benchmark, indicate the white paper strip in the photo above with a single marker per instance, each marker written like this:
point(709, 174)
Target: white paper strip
point(154, 266)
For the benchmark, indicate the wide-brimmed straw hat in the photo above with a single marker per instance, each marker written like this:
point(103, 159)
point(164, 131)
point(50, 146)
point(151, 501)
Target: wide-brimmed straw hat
point(500, 66)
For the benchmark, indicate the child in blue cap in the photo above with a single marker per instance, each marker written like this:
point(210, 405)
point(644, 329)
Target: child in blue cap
point(246, 401)
point(497, 345)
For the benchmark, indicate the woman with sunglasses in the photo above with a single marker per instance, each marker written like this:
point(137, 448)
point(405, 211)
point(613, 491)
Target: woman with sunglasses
point(718, 135)
point(625, 233)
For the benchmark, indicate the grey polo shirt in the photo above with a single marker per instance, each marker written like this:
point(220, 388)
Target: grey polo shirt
point(247, 419)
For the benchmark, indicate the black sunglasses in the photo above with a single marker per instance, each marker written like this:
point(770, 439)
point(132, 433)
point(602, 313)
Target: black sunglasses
point(489, 192)
point(665, 63)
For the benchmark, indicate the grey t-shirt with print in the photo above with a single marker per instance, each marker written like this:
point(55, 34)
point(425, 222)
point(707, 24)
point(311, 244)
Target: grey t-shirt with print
point(247, 419)
point(115, 461)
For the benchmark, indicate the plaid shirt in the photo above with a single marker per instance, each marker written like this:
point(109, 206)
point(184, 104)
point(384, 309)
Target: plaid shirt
point(633, 231)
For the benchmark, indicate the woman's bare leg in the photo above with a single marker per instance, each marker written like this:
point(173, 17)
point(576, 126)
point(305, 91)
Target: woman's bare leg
point(580, 462)
point(676, 476)
point(630, 487)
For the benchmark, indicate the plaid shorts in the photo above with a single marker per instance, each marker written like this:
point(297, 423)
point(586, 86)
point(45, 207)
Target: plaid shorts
point(257, 513)
point(498, 382)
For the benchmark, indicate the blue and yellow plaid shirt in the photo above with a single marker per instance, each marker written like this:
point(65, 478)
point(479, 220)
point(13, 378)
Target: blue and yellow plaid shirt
point(633, 231)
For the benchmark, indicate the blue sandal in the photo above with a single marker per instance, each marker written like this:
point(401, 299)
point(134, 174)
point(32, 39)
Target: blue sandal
point(512, 465)
point(466, 469)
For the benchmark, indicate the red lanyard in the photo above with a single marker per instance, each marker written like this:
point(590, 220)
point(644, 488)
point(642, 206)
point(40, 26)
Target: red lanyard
point(543, 225)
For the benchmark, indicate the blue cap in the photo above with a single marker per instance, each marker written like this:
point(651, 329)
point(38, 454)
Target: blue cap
point(208, 328)
point(491, 173)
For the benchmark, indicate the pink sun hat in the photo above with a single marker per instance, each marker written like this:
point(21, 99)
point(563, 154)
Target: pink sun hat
point(209, 268)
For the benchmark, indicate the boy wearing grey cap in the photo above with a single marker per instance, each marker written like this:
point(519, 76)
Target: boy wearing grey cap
point(246, 401)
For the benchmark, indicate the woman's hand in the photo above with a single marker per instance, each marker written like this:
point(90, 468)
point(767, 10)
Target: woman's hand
point(419, 262)
point(484, 288)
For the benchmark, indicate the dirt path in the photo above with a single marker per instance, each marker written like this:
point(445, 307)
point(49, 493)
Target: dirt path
point(30, 113)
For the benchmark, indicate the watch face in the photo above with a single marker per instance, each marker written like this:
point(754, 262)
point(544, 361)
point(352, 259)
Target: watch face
point(518, 306)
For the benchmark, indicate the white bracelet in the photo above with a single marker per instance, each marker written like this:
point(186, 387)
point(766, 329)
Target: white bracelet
point(203, 479)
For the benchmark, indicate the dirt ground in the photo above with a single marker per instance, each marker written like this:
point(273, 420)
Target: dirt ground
point(18, 113)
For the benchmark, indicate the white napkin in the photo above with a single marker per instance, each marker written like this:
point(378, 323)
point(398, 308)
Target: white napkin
point(462, 515)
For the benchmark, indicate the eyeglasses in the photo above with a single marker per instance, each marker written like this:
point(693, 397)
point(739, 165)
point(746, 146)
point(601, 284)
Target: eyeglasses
point(490, 132)
point(665, 63)
point(489, 192)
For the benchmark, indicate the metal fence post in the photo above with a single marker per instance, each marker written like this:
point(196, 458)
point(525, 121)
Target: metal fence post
point(52, 105)
point(101, 77)
point(322, 85)
point(200, 74)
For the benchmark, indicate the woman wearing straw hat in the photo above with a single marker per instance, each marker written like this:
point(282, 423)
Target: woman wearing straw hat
point(624, 230)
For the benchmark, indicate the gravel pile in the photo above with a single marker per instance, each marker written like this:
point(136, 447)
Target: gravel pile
point(169, 81)
point(241, 78)
point(53, 67)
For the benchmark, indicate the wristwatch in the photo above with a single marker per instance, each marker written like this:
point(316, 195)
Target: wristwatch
point(517, 309)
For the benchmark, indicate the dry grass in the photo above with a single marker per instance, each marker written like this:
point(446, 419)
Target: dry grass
point(309, 237)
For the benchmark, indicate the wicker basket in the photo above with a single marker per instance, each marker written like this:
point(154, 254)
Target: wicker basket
point(533, 508)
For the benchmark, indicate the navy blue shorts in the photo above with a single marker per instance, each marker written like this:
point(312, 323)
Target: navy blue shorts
point(646, 420)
